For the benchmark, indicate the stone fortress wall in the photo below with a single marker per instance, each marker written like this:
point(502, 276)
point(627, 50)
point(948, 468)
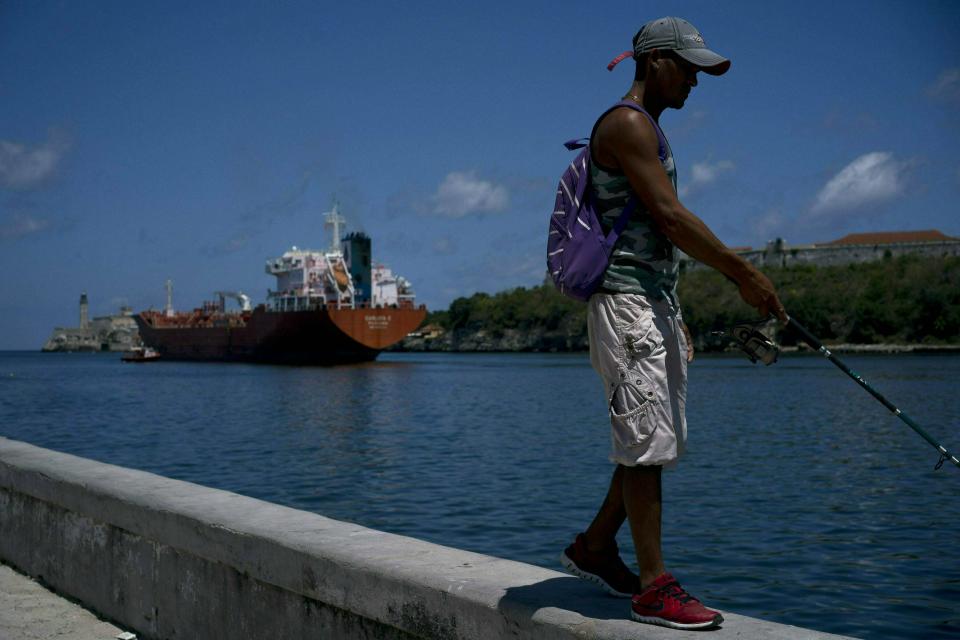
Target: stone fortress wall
point(853, 248)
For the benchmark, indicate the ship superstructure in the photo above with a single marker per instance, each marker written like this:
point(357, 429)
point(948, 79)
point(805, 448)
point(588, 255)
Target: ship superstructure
point(391, 290)
point(307, 278)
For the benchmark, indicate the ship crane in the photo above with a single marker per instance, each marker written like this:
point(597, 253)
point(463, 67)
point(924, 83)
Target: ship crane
point(241, 298)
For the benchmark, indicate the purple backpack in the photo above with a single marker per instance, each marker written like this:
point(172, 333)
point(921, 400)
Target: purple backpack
point(578, 251)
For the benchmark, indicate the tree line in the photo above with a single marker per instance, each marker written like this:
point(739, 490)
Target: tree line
point(907, 300)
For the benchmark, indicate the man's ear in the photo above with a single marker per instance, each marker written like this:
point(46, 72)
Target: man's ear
point(655, 57)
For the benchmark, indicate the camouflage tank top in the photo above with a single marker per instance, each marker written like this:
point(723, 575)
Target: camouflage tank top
point(644, 260)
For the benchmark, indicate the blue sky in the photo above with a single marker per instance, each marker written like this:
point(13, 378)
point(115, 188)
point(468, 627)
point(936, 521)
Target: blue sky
point(193, 141)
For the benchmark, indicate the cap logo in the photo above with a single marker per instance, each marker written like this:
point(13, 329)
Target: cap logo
point(696, 37)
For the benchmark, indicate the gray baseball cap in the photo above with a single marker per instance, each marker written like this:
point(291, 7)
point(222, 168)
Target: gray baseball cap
point(678, 35)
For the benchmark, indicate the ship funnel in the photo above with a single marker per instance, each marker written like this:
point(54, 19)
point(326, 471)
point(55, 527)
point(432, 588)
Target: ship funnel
point(356, 253)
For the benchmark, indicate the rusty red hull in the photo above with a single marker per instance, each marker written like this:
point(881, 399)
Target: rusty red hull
point(322, 336)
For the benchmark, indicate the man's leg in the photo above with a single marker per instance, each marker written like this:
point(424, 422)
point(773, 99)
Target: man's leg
point(594, 554)
point(641, 494)
point(601, 535)
point(660, 599)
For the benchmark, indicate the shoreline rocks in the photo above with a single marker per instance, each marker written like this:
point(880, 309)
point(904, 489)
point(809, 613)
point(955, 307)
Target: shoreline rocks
point(540, 341)
point(508, 340)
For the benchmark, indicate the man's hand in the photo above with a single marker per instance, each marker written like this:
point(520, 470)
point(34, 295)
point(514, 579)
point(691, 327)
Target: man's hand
point(689, 339)
point(757, 291)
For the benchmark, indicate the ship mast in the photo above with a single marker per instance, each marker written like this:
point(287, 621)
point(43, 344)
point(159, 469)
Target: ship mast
point(334, 219)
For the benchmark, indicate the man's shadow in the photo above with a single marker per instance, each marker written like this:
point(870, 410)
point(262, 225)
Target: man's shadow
point(561, 599)
point(564, 592)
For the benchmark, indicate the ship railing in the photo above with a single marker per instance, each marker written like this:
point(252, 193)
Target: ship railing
point(400, 304)
point(403, 304)
point(293, 301)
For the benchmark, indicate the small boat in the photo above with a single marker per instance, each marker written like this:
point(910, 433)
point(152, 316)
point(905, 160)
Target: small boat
point(140, 354)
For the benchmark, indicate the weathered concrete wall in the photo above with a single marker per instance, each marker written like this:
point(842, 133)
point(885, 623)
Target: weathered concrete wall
point(171, 559)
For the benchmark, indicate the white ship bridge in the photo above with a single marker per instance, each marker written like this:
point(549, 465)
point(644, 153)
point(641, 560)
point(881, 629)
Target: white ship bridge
point(308, 279)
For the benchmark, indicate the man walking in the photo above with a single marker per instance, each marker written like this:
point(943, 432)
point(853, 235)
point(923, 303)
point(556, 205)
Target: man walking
point(638, 342)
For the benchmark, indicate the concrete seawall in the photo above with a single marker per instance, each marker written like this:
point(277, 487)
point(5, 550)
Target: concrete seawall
point(171, 559)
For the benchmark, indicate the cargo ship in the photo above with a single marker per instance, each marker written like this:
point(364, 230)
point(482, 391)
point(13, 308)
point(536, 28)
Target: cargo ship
point(329, 307)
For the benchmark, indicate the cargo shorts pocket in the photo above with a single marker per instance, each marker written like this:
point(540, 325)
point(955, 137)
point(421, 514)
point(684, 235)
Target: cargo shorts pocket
point(638, 331)
point(631, 411)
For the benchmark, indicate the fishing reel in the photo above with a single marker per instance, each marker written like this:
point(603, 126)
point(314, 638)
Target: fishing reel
point(753, 342)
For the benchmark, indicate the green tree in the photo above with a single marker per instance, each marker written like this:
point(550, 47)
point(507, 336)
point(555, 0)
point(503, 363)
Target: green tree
point(904, 299)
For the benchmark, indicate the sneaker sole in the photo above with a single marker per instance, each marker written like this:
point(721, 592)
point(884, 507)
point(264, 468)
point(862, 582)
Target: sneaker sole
point(716, 622)
point(569, 565)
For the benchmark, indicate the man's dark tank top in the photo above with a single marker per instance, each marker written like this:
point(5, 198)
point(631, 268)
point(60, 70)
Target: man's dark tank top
point(644, 260)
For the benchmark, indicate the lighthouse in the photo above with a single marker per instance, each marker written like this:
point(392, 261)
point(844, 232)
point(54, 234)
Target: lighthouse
point(84, 312)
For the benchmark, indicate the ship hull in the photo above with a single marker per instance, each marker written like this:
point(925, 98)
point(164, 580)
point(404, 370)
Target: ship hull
point(322, 336)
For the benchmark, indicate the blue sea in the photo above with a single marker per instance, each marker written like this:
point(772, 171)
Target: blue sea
point(801, 499)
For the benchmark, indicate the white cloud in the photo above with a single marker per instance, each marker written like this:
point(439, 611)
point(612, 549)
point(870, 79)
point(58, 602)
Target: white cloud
point(704, 173)
point(871, 179)
point(21, 226)
point(463, 193)
point(24, 167)
point(947, 86)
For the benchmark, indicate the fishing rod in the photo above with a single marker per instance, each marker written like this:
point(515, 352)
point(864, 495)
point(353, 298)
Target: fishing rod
point(811, 340)
point(760, 348)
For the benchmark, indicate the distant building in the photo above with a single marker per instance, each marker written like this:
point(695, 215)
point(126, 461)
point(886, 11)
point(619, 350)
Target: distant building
point(105, 333)
point(851, 248)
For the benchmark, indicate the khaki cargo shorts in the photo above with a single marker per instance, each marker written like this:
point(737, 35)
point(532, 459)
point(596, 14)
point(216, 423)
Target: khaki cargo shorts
point(638, 348)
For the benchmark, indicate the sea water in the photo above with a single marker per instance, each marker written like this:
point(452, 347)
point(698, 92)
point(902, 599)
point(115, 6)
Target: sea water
point(800, 500)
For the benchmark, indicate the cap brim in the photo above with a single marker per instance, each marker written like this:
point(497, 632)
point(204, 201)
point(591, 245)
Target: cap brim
point(708, 61)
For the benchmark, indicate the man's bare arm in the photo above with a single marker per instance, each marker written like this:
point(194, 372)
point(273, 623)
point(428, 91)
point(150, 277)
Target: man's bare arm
point(629, 139)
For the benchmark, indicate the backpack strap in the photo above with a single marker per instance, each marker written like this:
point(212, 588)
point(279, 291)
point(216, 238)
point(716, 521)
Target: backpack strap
point(630, 104)
point(576, 143)
point(621, 222)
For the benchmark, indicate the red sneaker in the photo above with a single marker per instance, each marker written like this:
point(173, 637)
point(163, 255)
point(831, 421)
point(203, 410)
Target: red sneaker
point(606, 569)
point(665, 603)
